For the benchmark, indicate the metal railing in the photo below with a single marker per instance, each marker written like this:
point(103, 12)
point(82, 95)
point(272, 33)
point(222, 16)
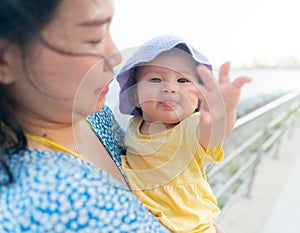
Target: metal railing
point(255, 138)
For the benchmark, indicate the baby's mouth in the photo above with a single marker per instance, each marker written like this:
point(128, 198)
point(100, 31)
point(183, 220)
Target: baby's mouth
point(168, 104)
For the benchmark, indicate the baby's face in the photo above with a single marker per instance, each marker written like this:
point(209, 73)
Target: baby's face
point(163, 87)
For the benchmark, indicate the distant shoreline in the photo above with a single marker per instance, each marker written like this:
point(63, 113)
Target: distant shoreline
point(266, 67)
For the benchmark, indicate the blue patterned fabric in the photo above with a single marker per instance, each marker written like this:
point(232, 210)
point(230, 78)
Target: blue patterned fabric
point(57, 192)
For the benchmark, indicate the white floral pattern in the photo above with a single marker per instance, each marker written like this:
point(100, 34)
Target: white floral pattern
point(56, 192)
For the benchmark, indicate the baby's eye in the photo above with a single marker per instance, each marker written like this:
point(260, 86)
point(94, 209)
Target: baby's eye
point(183, 80)
point(155, 80)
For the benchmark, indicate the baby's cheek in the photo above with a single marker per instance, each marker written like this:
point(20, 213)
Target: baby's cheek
point(192, 100)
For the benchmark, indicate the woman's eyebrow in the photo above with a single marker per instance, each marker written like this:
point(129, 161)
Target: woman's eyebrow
point(94, 23)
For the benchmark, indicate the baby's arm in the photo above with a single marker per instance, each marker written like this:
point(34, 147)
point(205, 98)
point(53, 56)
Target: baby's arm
point(219, 100)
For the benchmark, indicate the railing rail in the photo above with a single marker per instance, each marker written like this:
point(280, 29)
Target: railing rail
point(255, 138)
point(267, 108)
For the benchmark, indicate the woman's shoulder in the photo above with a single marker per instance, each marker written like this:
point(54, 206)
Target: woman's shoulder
point(55, 192)
point(106, 127)
point(104, 116)
point(108, 131)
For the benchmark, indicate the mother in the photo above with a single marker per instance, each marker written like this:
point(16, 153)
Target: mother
point(59, 172)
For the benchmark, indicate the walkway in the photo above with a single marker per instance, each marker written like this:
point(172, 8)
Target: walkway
point(274, 203)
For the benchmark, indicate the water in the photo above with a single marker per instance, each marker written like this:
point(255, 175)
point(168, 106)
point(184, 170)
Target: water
point(268, 81)
point(267, 84)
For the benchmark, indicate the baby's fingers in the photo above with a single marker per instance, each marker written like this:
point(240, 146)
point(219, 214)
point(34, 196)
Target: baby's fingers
point(240, 81)
point(224, 73)
point(206, 77)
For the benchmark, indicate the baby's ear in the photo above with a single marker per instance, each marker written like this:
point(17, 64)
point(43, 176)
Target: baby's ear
point(134, 97)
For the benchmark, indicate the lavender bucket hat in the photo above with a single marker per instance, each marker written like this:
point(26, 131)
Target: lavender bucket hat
point(146, 53)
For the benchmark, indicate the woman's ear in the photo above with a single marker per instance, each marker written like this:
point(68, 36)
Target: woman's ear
point(4, 66)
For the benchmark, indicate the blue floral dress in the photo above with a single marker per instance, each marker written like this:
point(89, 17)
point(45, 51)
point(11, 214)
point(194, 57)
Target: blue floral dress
point(57, 192)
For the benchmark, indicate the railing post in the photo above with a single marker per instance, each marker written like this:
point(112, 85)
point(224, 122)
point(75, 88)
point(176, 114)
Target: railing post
point(258, 155)
point(260, 145)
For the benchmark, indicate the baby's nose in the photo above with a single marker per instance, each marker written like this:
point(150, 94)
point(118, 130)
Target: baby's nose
point(169, 88)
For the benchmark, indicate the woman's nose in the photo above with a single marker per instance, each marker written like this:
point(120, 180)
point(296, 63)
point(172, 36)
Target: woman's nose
point(112, 54)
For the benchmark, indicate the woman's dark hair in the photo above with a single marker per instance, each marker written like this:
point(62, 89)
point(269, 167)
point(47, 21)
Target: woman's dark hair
point(21, 22)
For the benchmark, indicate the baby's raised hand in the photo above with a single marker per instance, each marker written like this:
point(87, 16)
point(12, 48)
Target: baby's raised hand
point(218, 97)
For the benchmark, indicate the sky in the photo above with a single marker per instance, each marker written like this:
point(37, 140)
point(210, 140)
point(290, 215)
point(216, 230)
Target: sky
point(223, 30)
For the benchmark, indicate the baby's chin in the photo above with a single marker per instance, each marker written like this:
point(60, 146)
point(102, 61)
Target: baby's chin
point(176, 119)
point(171, 123)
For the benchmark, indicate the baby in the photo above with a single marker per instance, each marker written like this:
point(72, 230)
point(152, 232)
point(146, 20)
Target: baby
point(181, 116)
